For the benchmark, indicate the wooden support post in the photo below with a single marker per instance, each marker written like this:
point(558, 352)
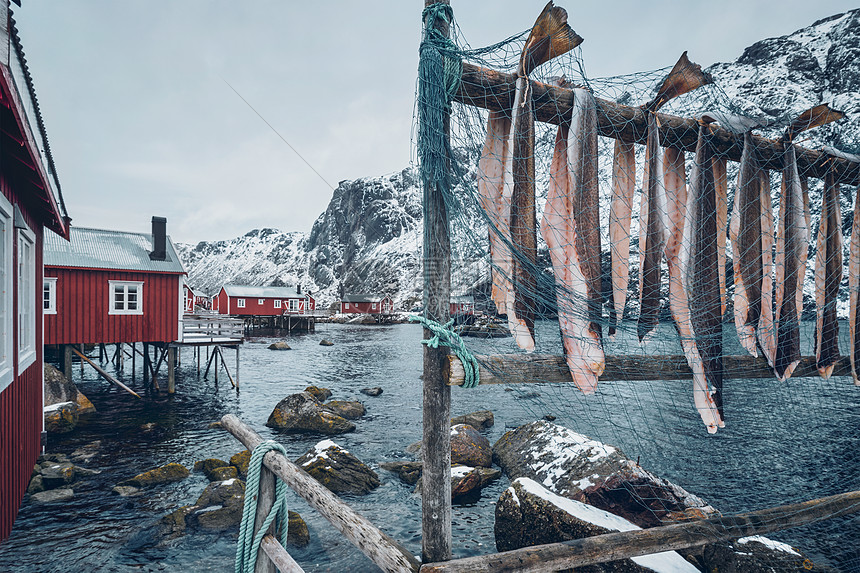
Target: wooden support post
point(67, 361)
point(237, 368)
point(146, 364)
point(81, 354)
point(625, 544)
point(171, 370)
point(380, 548)
point(133, 359)
point(265, 500)
point(279, 556)
point(105, 375)
point(436, 441)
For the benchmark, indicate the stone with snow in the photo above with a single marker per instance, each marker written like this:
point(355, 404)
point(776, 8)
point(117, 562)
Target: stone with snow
point(529, 514)
point(219, 507)
point(757, 553)
point(302, 412)
point(479, 420)
point(337, 469)
point(59, 389)
point(61, 418)
point(469, 447)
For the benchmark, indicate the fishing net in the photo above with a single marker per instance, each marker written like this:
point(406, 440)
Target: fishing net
point(672, 331)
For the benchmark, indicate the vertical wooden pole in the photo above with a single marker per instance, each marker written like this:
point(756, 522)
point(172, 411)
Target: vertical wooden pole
point(133, 358)
point(145, 363)
point(436, 442)
point(171, 370)
point(265, 501)
point(82, 362)
point(67, 361)
point(237, 368)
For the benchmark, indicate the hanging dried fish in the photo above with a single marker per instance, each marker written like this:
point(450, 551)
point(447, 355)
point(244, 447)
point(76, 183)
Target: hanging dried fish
point(620, 209)
point(828, 276)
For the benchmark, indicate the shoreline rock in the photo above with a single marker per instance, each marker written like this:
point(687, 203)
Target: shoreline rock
point(302, 412)
point(337, 469)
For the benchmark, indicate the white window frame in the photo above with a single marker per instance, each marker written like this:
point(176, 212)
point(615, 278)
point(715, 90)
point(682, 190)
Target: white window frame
point(112, 309)
point(346, 305)
point(240, 303)
point(293, 304)
point(261, 301)
point(277, 303)
point(6, 289)
point(49, 284)
point(373, 306)
point(26, 298)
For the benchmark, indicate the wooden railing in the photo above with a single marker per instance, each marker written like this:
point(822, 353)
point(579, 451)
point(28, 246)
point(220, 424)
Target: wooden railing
point(211, 328)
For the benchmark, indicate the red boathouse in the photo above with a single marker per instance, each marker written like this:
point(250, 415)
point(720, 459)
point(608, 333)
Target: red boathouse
point(241, 300)
point(462, 305)
point(30, 202)
point(113, 287)
point(366, 304)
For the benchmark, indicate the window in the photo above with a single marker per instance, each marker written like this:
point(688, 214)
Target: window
point(26, 298)
point(346, 305)
point(294, 304)
point(49, 295)
point(278, 303)
point(261, 301)
point(373, 306)
point(126, 297)
point(6, 353)
point(240, 303)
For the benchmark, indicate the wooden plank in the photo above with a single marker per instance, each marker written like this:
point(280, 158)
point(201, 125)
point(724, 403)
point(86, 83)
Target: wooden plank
point(436, 536)
point(537, 368)
point(374, 543)
point(491, 89)
point(104, 374)
point(623, 545)
point(279, 556)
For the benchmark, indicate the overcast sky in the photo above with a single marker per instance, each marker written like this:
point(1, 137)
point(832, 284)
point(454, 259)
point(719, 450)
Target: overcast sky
point(142, 123)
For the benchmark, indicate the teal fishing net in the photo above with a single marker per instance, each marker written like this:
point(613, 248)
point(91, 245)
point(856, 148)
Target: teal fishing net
point(698, 319)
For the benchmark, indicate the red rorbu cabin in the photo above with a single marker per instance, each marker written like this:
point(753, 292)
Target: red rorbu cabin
point(462, 305)
point(30, 201)
point(366, 304)
point(240, 300)
point(113, 287)
point(193, 301)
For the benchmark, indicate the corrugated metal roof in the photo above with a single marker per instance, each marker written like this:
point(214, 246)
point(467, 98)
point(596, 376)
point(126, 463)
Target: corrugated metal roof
point(363, 297)
point(262, 292)
point(113, 250)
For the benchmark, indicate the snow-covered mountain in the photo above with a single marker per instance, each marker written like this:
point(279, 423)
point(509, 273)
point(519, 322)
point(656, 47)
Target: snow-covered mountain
point(369, 238)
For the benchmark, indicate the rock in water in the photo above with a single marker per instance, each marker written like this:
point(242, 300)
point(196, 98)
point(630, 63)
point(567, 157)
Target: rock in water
point(528, 514)
point(61, 418)
point(303, 413)
point(375, 391)
point(220, 506)
point(53, 495)
point(321, 394)
point(326, 342)
point(349, 409)
point(337, 469)
point(240, 461)
point(479, 420)
point(165, 474)
point(297, 530)
point(408, 472)
point(469, 447)
point(59, 389)
point(280, 345)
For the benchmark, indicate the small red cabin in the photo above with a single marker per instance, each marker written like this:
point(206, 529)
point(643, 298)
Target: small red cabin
point(240, 300)
point(193, 301)
point(366, 304)
point(112, 287)
point(30, 202)
point(462, 305)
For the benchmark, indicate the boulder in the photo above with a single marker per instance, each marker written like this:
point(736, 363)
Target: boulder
point(469, 447)
point(173, 524)
point(558, 458)
point(375, 391)
point(349, 409)
point(465, 480)
point(219, 507)
point(326, 342)
point(488, 475)
point(303, 413)
point(479, 420)
point(87, 452)
point(50, 496)
point(528, 514)
point(35, 485)
point(280, 345)
point(297, 530)
point(168, 473)
point(208, 465)
point(408, 472)
point(337, 469)
point(223, 473)
point(61, 418)
point(321, 394)
point(240, 461)
point(128, 491)
point(57, 475)
point(59, 389)
point(757, 553)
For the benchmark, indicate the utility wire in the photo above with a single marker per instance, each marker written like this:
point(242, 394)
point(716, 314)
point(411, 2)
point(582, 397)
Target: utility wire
point(278, 134)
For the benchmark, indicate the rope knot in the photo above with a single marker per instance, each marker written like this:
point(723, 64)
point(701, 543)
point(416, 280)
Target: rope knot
point(444, 336)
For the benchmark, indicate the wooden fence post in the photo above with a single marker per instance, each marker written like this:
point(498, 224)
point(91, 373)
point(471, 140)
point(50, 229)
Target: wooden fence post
point(265, 501)
point(436, 441)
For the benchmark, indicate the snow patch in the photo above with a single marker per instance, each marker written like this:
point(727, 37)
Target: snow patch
point(460, 471)
point(320, 451)
point(769, 543)
point(57, 406)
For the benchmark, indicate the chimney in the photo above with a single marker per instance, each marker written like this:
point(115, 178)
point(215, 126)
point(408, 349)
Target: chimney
point(298, 288)
point(159, 239)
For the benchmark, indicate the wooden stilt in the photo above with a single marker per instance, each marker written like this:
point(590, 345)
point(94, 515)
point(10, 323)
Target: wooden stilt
point(81, 353)
point(67, 361)
point(133, 359)
point(171, 370)
point(146, 364)
point(105, 375)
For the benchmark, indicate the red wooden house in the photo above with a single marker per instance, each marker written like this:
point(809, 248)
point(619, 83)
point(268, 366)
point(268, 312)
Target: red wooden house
point(240, 300)
point(192, 301)
point(462, 305)
point(366, 304)
point(30, 201)
point(113, 287)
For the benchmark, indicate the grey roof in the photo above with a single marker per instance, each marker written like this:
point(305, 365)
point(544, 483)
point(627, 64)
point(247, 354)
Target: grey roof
point(111, 250)
point(364, 297)
point(262, 291)
point(462, 298)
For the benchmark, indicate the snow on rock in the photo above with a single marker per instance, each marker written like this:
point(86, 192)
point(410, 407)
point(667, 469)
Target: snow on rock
point(529, 514)
point(775, 545)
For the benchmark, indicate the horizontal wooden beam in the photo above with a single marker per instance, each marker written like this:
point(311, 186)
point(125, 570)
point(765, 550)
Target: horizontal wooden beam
point(626, 544)
point(369, 539)
point(491, 89)
point(537, 368)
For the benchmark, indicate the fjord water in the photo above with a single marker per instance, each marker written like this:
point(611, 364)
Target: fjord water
point(783, 443)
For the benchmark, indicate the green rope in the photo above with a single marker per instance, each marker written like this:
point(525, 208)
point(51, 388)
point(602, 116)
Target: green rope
point(444, 336)
point(249, 544)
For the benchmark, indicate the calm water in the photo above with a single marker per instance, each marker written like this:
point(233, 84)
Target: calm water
point(785, 442)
